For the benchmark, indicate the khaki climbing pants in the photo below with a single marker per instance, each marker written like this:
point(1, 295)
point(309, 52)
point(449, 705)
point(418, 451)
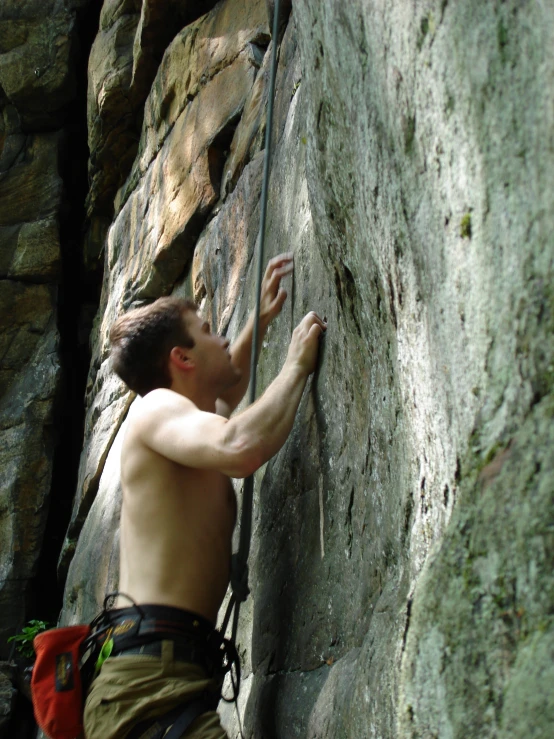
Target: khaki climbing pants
point(133, 688)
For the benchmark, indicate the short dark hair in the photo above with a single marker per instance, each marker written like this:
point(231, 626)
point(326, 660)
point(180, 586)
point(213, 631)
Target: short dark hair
point(142, 340)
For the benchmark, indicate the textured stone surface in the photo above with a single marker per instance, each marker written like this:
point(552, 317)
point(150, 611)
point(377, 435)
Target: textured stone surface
point(103, 419)
point(248, 136)
point(30, 197)
point(401, 568)
point(31, 188)
point(490, 584)
point(37, 54)
point(163, 216)
point(95, 565)
point(221, 272)
point(22, 325)
point(233, 31)
point(29, 374)
point(151, 241)
point(34, 254)
point(110, 112)
point(436, 96)
point(7, 697)
point(123, 62)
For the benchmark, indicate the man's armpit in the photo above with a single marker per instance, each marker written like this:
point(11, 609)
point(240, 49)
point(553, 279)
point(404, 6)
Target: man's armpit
point(222, 408)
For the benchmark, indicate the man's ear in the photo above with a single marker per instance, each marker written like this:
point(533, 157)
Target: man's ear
point(181, 359)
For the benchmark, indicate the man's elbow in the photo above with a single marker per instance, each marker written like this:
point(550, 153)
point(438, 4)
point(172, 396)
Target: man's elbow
point(246, 459)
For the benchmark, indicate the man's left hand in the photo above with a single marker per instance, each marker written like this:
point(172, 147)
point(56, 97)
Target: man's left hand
point(273, 295)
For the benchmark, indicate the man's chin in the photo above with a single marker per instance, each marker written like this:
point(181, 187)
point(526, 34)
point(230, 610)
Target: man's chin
point(231, 379)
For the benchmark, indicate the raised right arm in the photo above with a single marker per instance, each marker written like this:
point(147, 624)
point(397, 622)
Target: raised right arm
point(174, 427)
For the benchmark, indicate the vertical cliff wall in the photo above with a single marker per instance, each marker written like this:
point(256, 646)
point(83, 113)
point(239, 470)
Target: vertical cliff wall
point(401, 570)
point(38, 84)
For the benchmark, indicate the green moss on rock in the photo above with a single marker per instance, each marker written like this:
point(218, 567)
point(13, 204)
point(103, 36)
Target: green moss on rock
point(465, 226)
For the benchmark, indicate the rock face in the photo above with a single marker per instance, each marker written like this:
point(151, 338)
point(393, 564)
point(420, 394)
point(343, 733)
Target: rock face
point(123, 61)
point(36, 84)
point(402, 559)
point(37, 70)
point(7, 696)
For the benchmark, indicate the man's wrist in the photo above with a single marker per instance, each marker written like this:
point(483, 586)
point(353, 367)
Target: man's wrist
point(263, 325)
point(295, 368)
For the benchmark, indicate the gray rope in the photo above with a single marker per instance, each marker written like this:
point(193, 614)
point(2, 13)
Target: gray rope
point(239, 576)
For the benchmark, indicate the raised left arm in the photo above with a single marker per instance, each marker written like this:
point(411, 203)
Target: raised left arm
point(272, 298)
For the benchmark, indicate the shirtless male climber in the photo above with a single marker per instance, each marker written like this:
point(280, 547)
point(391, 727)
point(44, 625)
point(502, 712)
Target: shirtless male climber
point(179, 508)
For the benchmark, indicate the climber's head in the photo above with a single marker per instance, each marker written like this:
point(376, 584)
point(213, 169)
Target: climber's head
point(142, 341)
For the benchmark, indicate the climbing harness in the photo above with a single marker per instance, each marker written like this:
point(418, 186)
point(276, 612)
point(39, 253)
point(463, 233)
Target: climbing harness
point(143, 629)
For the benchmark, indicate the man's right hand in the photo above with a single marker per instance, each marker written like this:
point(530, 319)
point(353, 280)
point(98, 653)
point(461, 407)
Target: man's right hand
point(304, 345)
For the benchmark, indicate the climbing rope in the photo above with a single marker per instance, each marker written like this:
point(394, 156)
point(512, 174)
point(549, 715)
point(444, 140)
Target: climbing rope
point(239, 570)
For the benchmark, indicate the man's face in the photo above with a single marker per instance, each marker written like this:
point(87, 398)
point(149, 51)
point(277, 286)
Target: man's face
point(211, 354)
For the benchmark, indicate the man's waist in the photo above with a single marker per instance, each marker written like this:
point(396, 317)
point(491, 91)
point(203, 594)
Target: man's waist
point(194, 594)
point(154, 619)
point(146, 623)
point(142, 629)
point(181, 652)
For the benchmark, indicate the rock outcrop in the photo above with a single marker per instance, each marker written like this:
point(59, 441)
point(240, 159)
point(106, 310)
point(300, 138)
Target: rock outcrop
point(7, 696)
point(402, 558)
point(124, 59)
point(37, 82)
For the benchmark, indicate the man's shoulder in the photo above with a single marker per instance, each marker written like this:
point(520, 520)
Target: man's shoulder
point(165, 398)
point(172, 426)
point(158, 405)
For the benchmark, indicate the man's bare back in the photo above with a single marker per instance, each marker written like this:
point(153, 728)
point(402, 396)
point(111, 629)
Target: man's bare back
point(176, 529)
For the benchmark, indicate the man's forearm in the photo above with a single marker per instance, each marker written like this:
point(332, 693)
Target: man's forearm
point(241, 352)
point(272, 297)
point(261, 429)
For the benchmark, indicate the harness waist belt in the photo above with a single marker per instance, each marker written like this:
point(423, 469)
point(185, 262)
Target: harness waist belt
point(133, 627)
point(141, 629)
point(149, 619)
point(181, 652)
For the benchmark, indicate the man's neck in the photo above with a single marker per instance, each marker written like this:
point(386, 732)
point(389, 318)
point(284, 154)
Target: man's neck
point(202, 399)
